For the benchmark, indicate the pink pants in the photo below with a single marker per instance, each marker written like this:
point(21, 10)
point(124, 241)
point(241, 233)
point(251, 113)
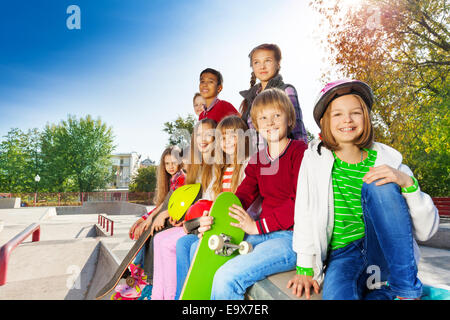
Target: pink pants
point(165, 263)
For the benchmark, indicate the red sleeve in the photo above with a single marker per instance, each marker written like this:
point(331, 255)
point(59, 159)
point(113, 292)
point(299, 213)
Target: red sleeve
point(179, 180)
point(282, 217)
point(248, 189)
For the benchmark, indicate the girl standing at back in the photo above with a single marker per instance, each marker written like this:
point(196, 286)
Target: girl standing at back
point(358, 206)
point(265, 62)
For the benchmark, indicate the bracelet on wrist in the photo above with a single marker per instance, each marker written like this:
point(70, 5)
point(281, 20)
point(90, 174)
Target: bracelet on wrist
point(412, 188)
point(305, 271)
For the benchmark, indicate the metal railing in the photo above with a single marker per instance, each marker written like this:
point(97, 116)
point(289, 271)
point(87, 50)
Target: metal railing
point(102, 221)
point(6, 249)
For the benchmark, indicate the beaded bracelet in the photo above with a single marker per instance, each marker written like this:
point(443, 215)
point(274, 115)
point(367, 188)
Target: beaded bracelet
point(305, 271)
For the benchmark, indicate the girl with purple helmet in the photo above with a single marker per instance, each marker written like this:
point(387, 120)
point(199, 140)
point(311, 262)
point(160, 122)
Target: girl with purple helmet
point(359, 209)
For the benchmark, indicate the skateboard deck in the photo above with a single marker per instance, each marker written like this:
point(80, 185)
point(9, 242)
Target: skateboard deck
point(198, 283)
point(129, 258)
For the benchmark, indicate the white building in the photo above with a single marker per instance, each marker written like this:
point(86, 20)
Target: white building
point(125, 165)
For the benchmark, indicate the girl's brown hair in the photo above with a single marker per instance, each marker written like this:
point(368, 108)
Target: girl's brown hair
point(196, 166)
point(271, 98)
point(277, 55)
point(241, 154)
point(364, 141)
point(163, 177)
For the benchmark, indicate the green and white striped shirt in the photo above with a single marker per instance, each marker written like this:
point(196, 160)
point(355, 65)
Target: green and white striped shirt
point(347, 185)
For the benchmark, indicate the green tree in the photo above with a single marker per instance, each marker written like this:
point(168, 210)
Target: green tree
point(85, 145)
point(145, 180)
point(180, 131)
point(19, 161)
point(401, 49)
point(55, 173)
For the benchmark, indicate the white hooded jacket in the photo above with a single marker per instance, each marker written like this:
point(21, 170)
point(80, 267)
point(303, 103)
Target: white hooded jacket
point(314, 205)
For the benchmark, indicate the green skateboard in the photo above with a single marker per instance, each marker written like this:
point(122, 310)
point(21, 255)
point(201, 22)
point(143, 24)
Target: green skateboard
point(218, 245)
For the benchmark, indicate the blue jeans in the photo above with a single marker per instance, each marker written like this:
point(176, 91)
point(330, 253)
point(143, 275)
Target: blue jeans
point(386, 251)
point(272, 253)
point(184, 258)
point(140, 257)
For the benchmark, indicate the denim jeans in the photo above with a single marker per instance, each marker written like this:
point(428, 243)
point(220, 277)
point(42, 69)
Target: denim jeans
point(140, 257)
point(272, 253)
point(386, 251)
point(184, 258)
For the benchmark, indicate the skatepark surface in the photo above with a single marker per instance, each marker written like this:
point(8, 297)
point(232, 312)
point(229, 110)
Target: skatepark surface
point(75, 256)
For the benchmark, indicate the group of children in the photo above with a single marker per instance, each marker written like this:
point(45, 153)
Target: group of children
point(330, 210)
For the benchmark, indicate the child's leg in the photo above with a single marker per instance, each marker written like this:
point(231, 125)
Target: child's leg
point(164, 281)
point(158, 267)
point(183, 253)
point(389, 237)
point(272, 253)
point(140, 257)
point(344, 268)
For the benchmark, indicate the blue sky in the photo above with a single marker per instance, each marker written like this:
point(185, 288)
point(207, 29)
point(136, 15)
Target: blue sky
point(135, 64)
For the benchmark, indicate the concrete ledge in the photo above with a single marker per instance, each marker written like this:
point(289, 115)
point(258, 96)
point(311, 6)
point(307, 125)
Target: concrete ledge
point(9, 203)
point(274, 288)
point(108, 207)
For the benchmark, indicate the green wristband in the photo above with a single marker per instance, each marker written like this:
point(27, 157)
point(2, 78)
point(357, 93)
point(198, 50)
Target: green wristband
point(412, 188)
point(305, 271)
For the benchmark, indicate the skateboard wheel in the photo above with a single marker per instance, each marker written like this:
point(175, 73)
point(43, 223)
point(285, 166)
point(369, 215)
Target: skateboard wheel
point(245, 247)
point(215, 242)
point(130, 281)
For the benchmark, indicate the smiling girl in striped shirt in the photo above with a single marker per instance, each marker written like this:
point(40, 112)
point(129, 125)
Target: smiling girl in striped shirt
point(358, 207)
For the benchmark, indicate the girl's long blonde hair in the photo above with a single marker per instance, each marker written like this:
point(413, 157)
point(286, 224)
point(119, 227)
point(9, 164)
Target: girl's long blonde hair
point(196, 166)
point(241, 153)
point(163, 177)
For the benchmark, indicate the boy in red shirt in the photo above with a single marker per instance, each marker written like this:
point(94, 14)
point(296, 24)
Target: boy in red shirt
point(210, 86)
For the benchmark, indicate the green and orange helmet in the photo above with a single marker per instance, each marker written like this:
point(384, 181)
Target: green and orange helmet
point(182, 198)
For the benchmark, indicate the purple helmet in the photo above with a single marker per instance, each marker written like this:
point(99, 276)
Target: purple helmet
point(339, 88)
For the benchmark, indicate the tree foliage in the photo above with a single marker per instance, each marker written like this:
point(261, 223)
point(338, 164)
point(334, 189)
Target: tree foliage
point(145, 180)
point(74, 155)
point(19, 160)
point(401, 49)
point(180, 131)
point(88, 145)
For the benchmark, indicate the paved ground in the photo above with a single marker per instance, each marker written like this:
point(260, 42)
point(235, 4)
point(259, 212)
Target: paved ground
point(71, 260)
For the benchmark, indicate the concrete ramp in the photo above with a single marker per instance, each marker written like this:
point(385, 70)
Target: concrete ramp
point(60, 269)
point(9, 203)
